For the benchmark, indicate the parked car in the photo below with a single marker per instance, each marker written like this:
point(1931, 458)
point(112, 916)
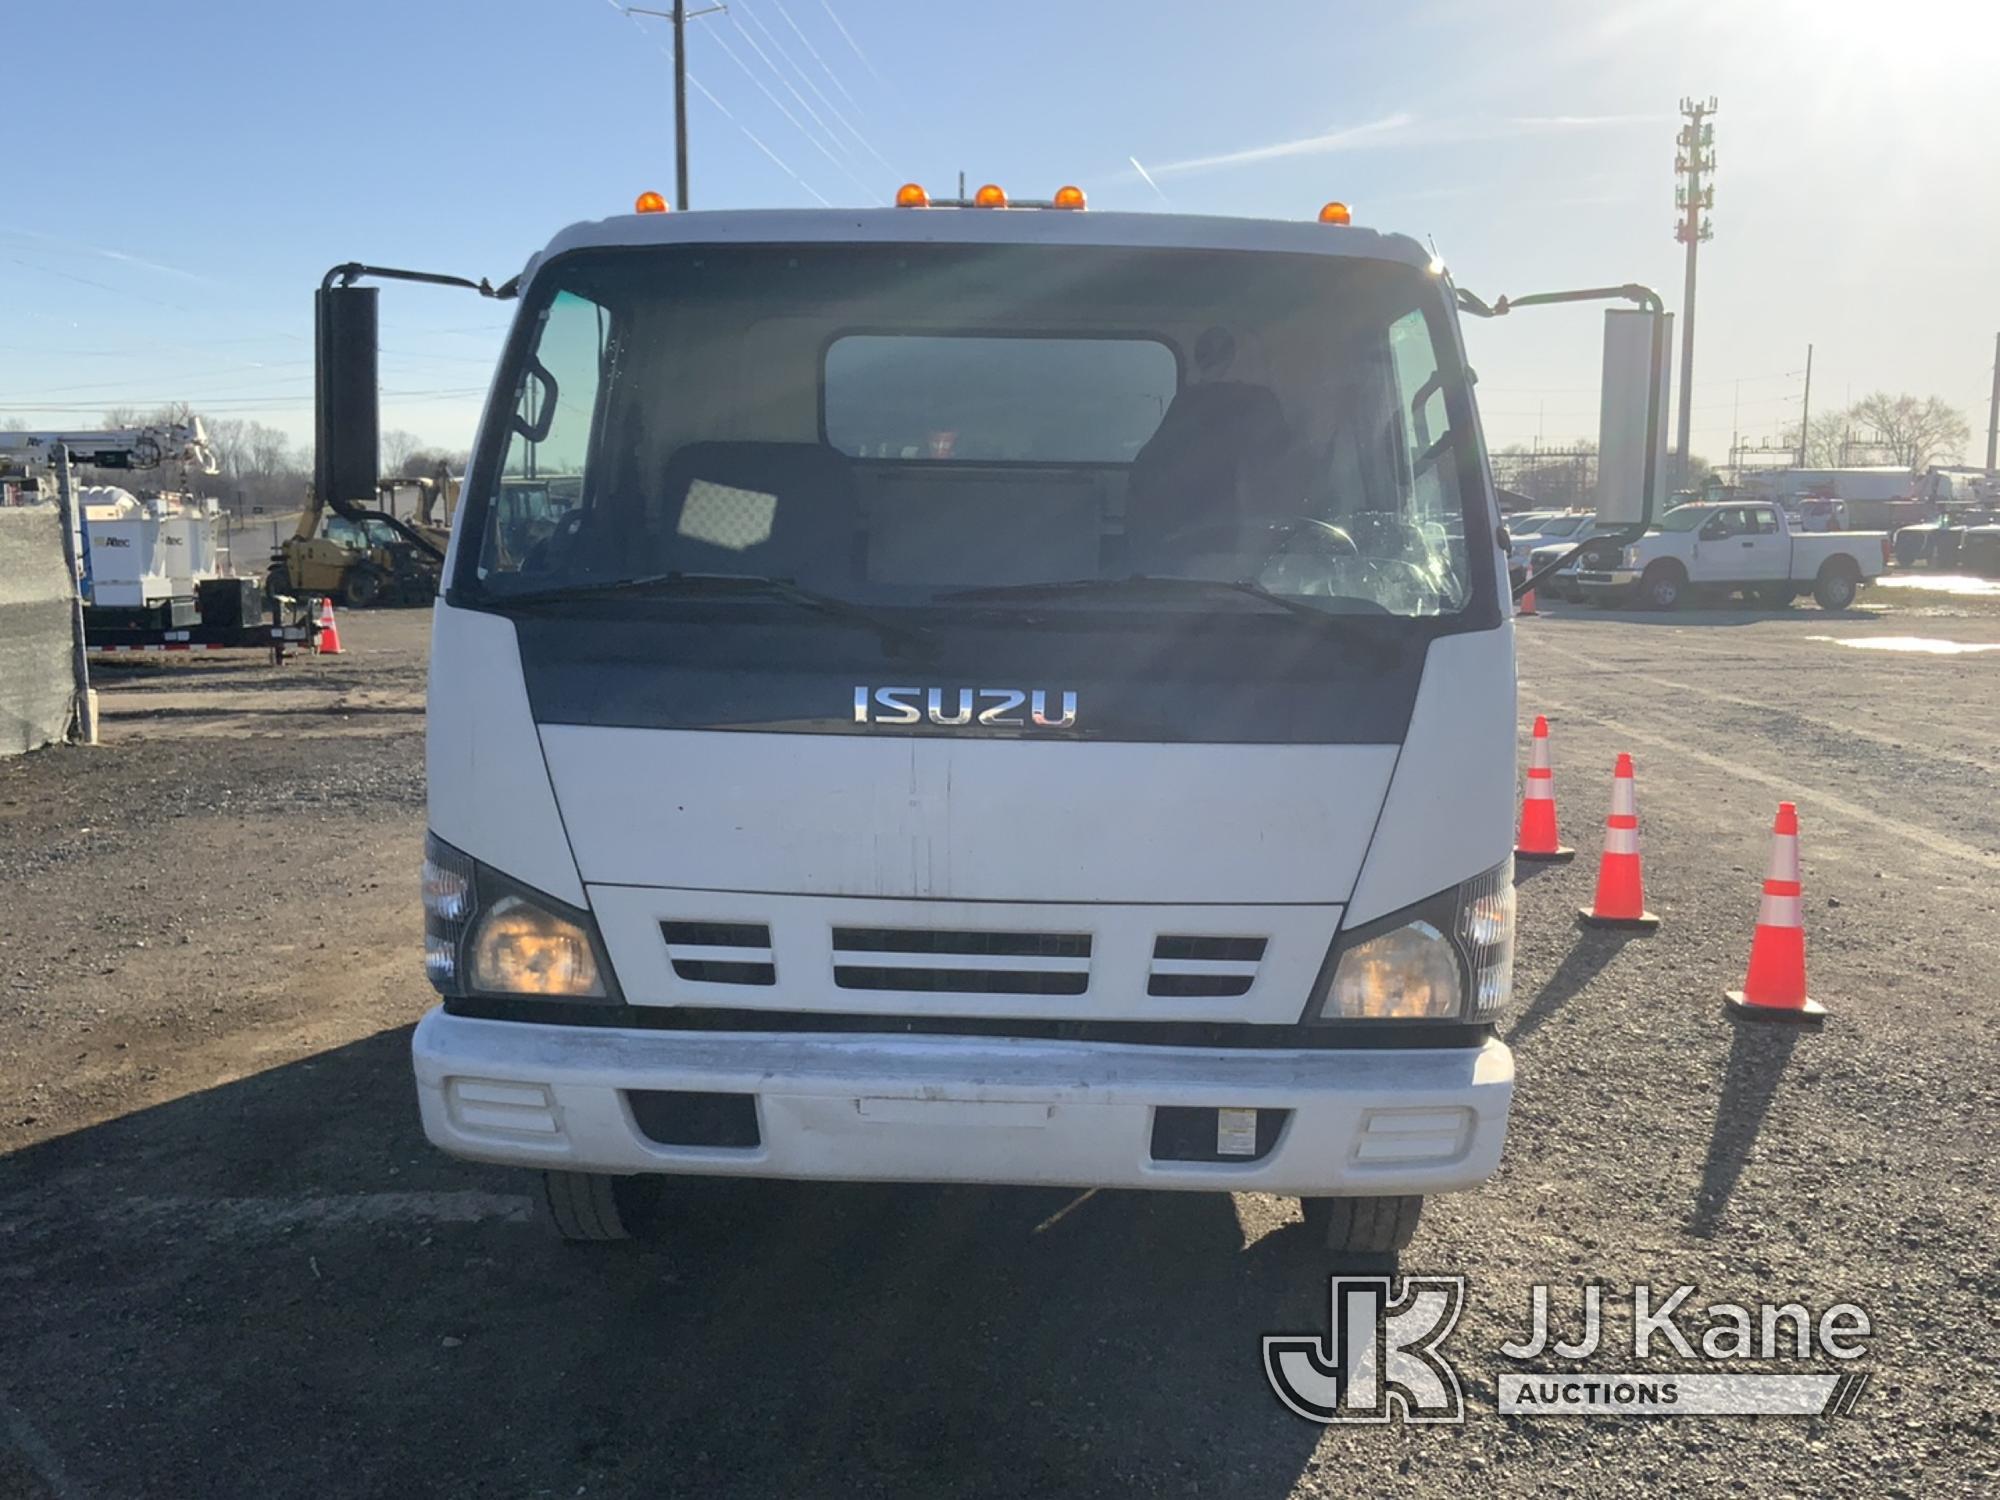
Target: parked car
point(1550, 528)
point(1753, 549)
point(1940, 542)
point(1979, 551)
point(1562, 584)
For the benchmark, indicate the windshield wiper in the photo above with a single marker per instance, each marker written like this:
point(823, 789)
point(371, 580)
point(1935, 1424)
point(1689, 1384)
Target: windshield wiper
point(679, 585)
point(1139, 583)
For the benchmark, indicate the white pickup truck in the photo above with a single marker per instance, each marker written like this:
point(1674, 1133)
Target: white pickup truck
point(1730, 547)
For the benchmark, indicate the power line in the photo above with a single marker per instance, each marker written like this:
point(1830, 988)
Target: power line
point(102, 286)
point(790, 62)
point(835, 77)
point(790, 88)
point(848, 37)
point(779, 105)
point(756, 141)
point(832, 109)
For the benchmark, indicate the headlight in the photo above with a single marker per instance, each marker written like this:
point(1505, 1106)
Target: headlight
point(1409, 973)
point(1631, 557)
point(1450, 958)
point(522, 949)
point(486, 934)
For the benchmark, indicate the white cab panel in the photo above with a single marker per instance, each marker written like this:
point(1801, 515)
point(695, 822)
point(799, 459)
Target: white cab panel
point(1450, 812)
point(971, 820)
point(489, 789)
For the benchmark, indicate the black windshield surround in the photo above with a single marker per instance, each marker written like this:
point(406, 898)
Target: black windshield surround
point(1146, 665)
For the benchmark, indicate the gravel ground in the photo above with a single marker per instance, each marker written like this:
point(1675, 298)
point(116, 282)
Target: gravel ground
point(230, 1264)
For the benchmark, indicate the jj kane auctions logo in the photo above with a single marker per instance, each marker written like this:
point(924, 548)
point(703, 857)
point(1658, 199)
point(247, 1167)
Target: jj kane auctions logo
point(1381, 1358)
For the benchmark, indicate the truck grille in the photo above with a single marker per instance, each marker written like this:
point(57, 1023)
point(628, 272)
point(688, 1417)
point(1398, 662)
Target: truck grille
point(1202, 967)
point(721, 952)
point(927, 961)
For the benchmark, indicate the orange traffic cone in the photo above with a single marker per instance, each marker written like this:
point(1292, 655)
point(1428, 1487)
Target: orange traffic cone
point(1524, 607)
point(1621, 887)
point(326, 639)
point(1538, 838)
point(1775, 988)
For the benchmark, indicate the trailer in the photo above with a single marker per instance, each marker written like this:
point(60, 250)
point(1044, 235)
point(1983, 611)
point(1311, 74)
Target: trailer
point(154, 570)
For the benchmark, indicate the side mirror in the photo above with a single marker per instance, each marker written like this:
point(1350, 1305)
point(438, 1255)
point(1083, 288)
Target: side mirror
point(347, 443)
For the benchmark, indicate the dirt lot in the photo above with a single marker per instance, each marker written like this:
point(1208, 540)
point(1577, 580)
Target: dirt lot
point(229, 1264)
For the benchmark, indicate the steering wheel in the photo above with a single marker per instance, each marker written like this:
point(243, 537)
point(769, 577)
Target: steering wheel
point(1261, 539)
point(1392, 584)
point(552, 550)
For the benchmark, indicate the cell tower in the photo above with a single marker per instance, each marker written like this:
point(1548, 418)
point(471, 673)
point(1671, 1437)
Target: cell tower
point(1694, 160)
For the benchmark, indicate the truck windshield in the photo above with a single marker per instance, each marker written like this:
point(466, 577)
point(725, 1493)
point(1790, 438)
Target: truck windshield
point(952, 431)
point(1686, 518)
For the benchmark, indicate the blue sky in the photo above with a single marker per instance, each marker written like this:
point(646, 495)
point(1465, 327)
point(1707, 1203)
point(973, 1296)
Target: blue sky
point(176, 200)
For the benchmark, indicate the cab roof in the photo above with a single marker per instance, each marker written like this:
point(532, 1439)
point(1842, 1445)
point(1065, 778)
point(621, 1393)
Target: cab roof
point(982, 226)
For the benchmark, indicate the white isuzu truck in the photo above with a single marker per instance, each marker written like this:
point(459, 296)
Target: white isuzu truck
point(997, 695)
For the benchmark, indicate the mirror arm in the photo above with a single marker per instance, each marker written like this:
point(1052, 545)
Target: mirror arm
point(1648, 301)
point(354, 270)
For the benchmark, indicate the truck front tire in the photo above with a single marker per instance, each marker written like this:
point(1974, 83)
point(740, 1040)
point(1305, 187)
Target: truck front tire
point(1362, 1226)
point(592, 1208)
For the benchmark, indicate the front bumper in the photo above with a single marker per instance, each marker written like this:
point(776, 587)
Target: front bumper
point(1608, 580)
point(897, 1108)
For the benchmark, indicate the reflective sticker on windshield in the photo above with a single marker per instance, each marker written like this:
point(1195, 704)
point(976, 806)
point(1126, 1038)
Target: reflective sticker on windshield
point(726, 517)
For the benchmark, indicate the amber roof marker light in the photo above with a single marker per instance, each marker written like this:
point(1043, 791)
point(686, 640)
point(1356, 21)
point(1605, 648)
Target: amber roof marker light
point(1068, 197)
point(649, 203)
point(1336, 212)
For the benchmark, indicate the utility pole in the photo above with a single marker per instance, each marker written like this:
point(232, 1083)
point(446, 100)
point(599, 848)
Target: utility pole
point(1993, 418)
point(680, 15)
point(1735, 438)
point(1805, 411)
point(680, 106)
point(1695, 157)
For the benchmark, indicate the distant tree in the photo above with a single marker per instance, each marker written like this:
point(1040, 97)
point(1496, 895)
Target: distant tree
point(266, 450)
point(1823, 440)
point(159, 416)
point(423, 462)
point(1918, 432)
point(225, 441)
point(1700, 472)
point(397, 446)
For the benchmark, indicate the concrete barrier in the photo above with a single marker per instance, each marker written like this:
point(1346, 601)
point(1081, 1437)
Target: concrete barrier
point(37, 686)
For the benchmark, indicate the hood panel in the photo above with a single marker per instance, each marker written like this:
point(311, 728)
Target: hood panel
point(967, 819)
